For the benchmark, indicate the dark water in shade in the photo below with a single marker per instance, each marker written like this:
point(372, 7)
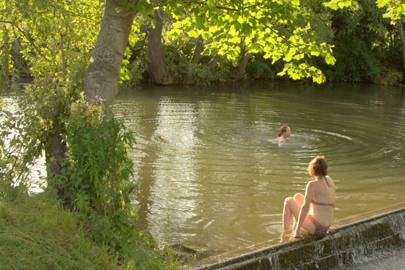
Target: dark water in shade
point(211, 180)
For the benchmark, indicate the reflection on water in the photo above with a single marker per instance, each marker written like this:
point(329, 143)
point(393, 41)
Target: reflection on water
point(168, 208)
point(210, 178)
point(37, 171)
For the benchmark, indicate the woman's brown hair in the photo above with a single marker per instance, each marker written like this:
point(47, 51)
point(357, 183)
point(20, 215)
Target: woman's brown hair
point(282, 130)
point(318, 166)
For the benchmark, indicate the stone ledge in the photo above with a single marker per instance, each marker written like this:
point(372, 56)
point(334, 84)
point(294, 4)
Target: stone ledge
point(347, 245)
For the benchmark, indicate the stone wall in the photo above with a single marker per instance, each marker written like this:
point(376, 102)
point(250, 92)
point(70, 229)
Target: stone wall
point(349, 245)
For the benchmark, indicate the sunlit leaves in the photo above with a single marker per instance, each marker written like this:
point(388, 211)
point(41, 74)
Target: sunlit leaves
point(394, 9)
point(330, 59)
point(280, 30)
point(211, 3)
point(297, 71)
point(339, 4)
point(55, 36)
point(54, 40)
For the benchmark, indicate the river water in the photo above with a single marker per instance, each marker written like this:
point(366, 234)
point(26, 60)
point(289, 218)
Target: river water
point(210, 179)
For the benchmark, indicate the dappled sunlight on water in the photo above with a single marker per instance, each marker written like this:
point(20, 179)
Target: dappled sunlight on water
point(37, 172)
point(168, 209)
point(210, 178)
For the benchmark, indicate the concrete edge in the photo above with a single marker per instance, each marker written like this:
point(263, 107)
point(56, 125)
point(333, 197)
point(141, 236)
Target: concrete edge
point(260, 251)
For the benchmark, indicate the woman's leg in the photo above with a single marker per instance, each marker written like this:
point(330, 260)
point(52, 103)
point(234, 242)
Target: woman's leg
point(308, 225)
point(292, 207)
point(299, 198)
point(290, 211)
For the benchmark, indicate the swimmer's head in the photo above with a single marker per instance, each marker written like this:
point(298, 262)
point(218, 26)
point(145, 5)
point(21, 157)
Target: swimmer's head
point(284, 131)
point(318, 166)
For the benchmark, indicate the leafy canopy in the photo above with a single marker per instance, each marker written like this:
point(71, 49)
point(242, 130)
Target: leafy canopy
point(295, 33)
point(394, 9)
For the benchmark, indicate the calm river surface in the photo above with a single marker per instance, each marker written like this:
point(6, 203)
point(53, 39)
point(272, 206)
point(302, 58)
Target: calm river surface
point(210, 179)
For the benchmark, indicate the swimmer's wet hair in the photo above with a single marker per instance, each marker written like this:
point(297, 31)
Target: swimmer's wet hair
point(282, 130)
point(318, 166)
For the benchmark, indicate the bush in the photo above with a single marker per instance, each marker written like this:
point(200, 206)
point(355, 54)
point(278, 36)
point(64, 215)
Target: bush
point(96, 180)
point(389, 77)
point(258, 68)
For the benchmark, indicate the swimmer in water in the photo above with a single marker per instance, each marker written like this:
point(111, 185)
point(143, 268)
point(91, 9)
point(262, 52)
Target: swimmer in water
point(283, 134)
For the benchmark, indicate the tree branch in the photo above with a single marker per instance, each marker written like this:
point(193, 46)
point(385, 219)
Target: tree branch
point(14, 25)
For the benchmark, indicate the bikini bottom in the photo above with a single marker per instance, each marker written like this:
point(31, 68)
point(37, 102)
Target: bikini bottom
point(319, 228)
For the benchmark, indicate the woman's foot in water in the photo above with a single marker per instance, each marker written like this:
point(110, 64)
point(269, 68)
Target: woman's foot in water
point(285, 236)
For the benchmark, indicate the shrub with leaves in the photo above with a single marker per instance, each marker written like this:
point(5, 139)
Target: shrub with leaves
point(97, 174)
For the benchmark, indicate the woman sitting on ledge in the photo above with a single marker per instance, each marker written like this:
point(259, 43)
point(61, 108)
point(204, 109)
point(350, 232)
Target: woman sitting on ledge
point(314, 211)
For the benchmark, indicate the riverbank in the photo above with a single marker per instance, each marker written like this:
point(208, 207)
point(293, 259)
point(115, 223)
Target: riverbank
point(277, 80)
point(234, 82)
point(36, 233)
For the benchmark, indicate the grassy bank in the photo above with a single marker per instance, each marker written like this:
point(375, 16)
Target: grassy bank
point(36, 233)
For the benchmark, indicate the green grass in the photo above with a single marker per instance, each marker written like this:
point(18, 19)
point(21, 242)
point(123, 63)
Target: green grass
point(36, 233)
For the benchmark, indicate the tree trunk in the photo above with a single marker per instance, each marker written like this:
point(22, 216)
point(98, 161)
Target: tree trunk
point(199, 47)
point(214, 62)
point(243, 61)
point(198, 50)
point(101, 79)
point(5, 69)
point(21, 65)
point(103, 72)
point(55, 153)
point(157, 68)
point(402, 36)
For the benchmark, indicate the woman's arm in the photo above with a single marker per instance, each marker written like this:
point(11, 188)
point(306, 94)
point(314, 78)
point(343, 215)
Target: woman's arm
point(304, 209)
